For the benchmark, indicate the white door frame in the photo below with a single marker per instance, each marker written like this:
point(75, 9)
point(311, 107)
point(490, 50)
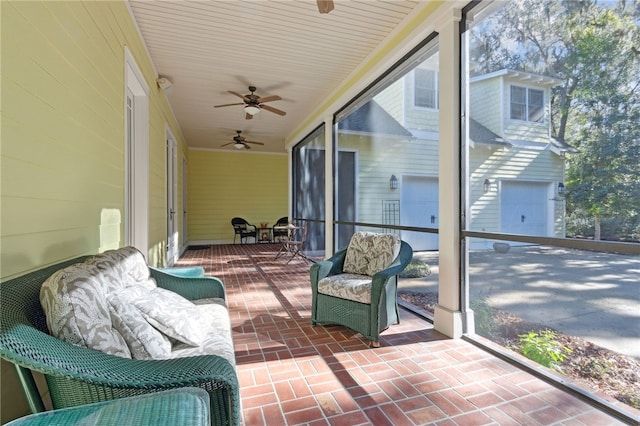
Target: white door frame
point(185, 204)
point(136, 188)
point(172, 197)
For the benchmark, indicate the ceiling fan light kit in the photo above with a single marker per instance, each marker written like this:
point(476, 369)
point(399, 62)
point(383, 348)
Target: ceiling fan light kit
point(251, 109)
point(253, 103)
point(240, 142)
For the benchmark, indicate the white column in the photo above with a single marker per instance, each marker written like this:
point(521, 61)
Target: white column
point(448, 316)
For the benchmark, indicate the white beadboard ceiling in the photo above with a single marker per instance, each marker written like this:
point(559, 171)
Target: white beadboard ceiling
point(285, 48)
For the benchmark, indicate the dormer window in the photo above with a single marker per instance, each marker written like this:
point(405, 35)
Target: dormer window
point(527, 104)
point(426, 88)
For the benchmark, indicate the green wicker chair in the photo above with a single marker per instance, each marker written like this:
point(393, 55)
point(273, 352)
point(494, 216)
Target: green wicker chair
point(367, 319)
point(77, 375)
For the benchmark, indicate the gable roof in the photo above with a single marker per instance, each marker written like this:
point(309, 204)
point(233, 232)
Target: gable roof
point(562, 145)
point(372, 118)
point(482, 135)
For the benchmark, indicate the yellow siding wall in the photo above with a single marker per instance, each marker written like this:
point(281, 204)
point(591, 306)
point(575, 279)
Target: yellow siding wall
point(225, 184)
point(62, 153)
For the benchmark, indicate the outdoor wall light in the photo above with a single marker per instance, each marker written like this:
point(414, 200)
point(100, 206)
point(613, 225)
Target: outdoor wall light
point(164, 83)
point(486, 186)
point(393, 182)
point(560, 188)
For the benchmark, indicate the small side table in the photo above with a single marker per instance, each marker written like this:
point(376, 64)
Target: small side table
point(183, 406)
point(264, 233)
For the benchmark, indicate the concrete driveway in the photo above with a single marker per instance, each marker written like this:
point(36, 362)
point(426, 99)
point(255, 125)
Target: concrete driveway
point(595, 296)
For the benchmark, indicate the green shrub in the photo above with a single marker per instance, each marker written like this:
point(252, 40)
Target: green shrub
point(483, 316)
point(416, 269)
point(543, 348)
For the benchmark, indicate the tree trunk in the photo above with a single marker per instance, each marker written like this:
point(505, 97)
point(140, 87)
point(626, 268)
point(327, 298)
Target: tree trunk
point(596, 235)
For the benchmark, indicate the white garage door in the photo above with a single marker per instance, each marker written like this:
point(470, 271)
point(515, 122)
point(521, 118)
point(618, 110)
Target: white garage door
point(524, 208)
point(419, 207)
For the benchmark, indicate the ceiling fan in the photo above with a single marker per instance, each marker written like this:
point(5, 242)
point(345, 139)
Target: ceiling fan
point(253, 103)
point(239, 142)
point(325, 6)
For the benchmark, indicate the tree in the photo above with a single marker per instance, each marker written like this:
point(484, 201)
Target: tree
point(592, 48)
point(604, 177)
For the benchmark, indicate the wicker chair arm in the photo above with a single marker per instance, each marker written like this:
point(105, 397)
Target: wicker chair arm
point(32, 349)
point(184, 271)
point(381, 278)
point(189, 287)
point(337, 261)
point(38, 351)
point(319, 271)
point(331, 266)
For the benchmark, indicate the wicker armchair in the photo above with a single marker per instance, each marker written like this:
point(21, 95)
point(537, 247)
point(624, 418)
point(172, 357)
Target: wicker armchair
point(278, 232)
point(77, 375)
point(369, 319)
point(244, 230)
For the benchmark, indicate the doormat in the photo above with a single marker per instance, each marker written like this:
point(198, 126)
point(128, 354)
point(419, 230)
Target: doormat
point(198, 247)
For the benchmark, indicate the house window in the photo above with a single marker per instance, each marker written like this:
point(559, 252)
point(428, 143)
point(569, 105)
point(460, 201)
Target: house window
point(527, 104)
point(426, 88)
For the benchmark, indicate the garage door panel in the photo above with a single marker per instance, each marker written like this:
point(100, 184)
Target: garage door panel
point(419, 207)
point(523, 208)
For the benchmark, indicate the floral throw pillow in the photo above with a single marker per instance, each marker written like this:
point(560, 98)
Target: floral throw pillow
point(170, 313)
point(369, 253)
point(74, 302)
point(144, 341)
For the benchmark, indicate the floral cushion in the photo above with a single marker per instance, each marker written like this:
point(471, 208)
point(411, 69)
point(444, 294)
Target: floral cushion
point(144, 341)
point(369, 253)
point(76, 309)
point(215, 309)
point(218, 339)
point(347, 286)
point(123, 267)
point(110, 303)
point(170, 313)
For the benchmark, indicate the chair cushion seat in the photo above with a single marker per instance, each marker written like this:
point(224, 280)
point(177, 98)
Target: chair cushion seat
point(218, 339)
point(354, 287)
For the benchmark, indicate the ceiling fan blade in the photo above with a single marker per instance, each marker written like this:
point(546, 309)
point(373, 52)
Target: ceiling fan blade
point(227, 144)
point(269, 99)
point(257, 143)
point(238, 95)
point(226, 105)
point(325, 6)
point(248, 116)
point(272, 109)
point(246, 146)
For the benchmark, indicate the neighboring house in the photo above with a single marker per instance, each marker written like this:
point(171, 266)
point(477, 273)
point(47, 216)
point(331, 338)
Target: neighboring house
point(516, 166)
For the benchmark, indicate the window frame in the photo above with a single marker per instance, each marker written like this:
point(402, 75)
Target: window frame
point(527, 104)
point(435, 89)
